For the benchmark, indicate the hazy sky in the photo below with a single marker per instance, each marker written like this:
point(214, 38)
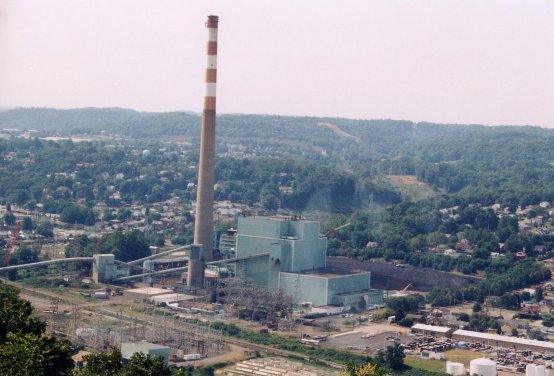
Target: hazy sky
point(489, 62)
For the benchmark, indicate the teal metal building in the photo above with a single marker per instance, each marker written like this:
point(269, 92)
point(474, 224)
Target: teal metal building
point(292, 257)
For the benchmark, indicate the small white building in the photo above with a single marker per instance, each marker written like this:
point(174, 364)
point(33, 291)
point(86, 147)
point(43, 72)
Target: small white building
point(128, 349)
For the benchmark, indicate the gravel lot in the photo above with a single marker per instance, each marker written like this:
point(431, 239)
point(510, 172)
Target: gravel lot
point(354, 341)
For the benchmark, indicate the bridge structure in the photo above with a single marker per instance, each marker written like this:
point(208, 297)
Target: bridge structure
point(105, 266)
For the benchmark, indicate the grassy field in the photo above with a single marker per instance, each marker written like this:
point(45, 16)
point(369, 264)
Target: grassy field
point(455, 355)
point(410, 187)
point(428, 365)
point(462, 356)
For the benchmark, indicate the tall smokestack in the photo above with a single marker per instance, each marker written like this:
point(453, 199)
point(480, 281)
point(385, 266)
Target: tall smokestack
point(203, 228)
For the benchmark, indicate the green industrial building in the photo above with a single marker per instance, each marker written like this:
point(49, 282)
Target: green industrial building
point(291, 256)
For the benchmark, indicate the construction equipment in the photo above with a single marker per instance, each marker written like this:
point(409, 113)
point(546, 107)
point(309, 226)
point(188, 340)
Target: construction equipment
point(333, 232)
point(12, 243)
point(407, 287)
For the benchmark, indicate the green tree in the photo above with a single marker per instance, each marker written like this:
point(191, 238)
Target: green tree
point(102, 364)
point(369, 369)
point(110, 364)
point(27, 224)
point(392, 357)
point(78, 214)
point(46, 229)
point(127, 246)
point(539, 294)
point(25, 255)
point(9, 218)
point(145, 365)
point(35, 355)
point(508, 300)
point(16, 314)
point(24, 349)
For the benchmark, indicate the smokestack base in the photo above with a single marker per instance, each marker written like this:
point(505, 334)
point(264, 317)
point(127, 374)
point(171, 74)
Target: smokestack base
point(195, 275)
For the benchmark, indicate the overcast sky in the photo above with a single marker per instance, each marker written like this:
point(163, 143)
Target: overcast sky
point(487, 62)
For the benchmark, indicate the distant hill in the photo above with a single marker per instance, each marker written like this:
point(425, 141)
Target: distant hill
point(448, 157)
point(382, 136)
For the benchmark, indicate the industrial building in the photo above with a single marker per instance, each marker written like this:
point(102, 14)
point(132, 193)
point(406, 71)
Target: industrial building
point(291, 256)
point(128, 349)
point(503, 341)
point(433, 330)
point(227, 244)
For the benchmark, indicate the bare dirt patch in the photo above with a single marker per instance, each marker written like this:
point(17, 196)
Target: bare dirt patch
point(340, 132)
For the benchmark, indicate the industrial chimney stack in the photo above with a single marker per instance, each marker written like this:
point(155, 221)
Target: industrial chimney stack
point(203, 228)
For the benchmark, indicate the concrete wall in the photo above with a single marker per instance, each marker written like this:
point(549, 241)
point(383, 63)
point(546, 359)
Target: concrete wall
point(262, 270)
point(375, 297)
point(257, 269)
point(103, 268)
point(323, 290)
point(262, 227)
point(130, 348)
point(347, 283)
point(295, 245)
point(304, 288)
point(308, 253)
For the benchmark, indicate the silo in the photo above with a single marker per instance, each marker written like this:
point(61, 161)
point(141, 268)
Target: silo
point(530, 370)
point(482, 367)
point(455, 369)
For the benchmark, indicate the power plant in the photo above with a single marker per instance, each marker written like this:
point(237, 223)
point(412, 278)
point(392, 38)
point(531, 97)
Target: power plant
point(282, 255)
point(203, 228)
point(288, 255)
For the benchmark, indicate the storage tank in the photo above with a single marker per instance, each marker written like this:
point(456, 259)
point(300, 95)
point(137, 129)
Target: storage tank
point(530, 370)
point(455, 369)
point(482, 367)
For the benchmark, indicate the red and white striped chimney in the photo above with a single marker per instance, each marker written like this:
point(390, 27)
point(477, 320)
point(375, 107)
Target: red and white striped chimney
point(203, 228)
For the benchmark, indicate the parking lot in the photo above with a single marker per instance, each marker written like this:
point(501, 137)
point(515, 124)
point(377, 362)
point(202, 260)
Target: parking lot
point(366, 342)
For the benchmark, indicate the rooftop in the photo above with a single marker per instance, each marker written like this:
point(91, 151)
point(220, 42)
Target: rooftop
point(498, 337)
point(148, 291)
point(143, 346)
point(329, 272)
point(432, 328)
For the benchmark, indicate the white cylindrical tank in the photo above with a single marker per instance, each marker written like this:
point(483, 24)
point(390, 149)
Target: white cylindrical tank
point(540, 371)
point(455, 369)
point(482, 367)
point(530, 370)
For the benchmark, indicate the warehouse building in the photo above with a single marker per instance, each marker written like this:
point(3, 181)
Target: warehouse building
point(433, 330)
point(503, 341)
point(144, 293)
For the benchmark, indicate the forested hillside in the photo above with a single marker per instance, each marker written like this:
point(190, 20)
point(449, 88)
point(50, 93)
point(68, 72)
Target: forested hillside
point(485, 164)
point(451, 197)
